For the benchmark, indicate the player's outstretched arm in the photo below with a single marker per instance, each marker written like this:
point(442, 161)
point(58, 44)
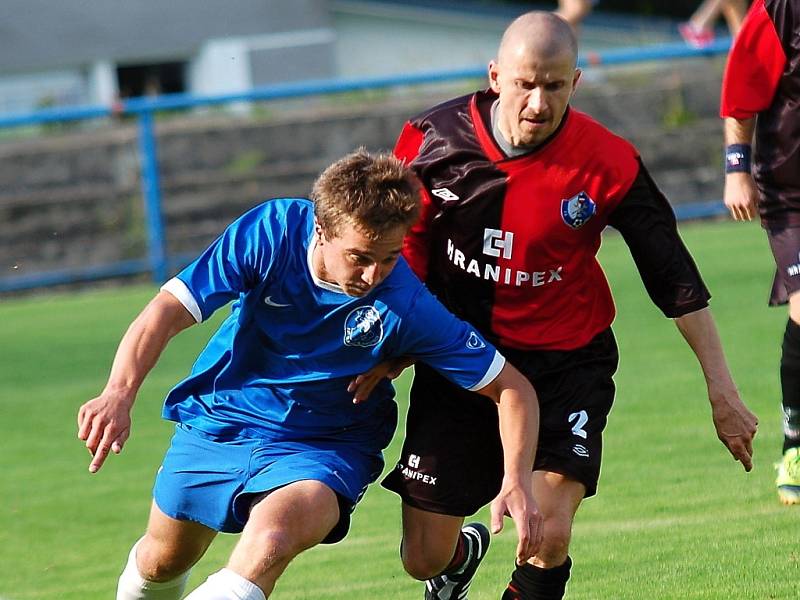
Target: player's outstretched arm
point(104, 422)
point(740, 194)
point(736, 426)
point(518, 409)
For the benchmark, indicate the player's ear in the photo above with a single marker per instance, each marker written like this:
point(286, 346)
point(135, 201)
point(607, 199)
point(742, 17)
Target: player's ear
point(318, 230)
point(493, 83)
point(576, 78)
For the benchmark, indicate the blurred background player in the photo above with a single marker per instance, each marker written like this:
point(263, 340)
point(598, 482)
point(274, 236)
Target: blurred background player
point(575, 11)
point(518, 188)
point(269, 442)
point(698, 31)
point(760, 94)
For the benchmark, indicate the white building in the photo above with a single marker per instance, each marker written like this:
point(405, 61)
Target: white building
point(88, 52)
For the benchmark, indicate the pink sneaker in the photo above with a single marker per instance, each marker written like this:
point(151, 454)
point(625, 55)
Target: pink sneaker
point(696, 37)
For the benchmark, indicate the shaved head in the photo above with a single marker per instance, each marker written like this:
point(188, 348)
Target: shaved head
point(534, 76)
point(539, 34)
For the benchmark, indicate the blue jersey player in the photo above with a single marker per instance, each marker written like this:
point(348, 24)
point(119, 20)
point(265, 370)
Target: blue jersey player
point(269, 441)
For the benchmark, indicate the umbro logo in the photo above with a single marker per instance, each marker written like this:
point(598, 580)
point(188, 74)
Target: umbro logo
point(580, 450)
point(444, 194)
point(270, 302)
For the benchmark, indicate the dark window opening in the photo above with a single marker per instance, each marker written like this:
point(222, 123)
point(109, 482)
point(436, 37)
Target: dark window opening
point(151, 80)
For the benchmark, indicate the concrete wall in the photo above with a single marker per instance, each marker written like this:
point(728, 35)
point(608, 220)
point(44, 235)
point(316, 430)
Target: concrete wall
point(72, 198)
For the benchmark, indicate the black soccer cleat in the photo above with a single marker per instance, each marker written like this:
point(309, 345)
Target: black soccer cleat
point(456, 585)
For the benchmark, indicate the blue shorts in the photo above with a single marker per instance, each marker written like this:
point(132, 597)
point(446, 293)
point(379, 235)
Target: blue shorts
point(214, 482)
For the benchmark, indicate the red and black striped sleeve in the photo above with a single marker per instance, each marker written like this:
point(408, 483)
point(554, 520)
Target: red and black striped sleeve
point(417, 241)
point(755, 65)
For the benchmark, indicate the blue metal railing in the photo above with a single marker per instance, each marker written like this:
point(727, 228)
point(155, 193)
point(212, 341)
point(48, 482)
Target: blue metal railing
point(158, 263)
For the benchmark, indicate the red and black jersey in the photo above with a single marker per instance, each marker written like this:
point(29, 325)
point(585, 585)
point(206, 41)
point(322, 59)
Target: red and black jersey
point(510, 244)
point(762, 79)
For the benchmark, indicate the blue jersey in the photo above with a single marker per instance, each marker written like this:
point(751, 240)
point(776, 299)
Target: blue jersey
point(279, 366)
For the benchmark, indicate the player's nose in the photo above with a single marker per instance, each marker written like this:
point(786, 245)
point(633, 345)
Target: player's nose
point(371, 274)
point(537, 101)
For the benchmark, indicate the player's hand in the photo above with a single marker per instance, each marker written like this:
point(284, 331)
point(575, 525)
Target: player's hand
point(104, 423)
point(741, 196)
point(361, 387)
point(736, 426)
point(516, 501)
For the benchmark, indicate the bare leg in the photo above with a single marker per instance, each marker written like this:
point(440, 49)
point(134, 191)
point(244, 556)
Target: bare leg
point(171, 547)
point(734, 12)
point(558, 498)
point(706, 14)
point(794, 307)
point(429, 541)
point(547, 573)
point(160, 561)
point(286, 522)
point(574, 11)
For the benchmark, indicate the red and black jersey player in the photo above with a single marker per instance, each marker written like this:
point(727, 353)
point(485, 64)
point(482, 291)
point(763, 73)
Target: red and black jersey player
point(518, 188)
point(761, 95)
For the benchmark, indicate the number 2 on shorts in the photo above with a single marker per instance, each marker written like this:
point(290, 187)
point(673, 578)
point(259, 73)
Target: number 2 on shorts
point(580, 418)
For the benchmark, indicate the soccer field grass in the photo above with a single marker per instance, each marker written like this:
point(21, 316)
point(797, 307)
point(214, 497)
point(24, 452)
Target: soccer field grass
point(675, 516)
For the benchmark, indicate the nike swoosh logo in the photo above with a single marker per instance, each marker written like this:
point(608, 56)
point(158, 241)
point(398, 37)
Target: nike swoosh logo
point(270, 302)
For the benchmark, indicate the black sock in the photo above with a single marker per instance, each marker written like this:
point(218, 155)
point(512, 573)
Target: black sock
point(460, 555)
point(534, 583)
point(790, 385)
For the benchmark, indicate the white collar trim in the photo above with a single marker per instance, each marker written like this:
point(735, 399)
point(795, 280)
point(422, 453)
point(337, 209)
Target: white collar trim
point(331, 287)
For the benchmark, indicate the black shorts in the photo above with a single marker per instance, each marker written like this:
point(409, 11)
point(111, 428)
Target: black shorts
point(785, 244)
point(452, 458)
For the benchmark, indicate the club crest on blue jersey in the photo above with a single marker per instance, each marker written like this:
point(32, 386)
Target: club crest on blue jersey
point(363, 327)
point(474, 342)
point(577, 210)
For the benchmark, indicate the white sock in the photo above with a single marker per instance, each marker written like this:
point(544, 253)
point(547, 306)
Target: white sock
point(227, 585)
point(132, 586)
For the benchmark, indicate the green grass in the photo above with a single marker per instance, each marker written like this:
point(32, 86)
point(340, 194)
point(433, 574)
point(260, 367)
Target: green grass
point(675, 517)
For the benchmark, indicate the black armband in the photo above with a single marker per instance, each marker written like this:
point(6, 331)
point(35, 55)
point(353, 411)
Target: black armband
point(737, 158)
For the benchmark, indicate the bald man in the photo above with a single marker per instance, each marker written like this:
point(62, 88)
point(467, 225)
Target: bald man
point(518, 187)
